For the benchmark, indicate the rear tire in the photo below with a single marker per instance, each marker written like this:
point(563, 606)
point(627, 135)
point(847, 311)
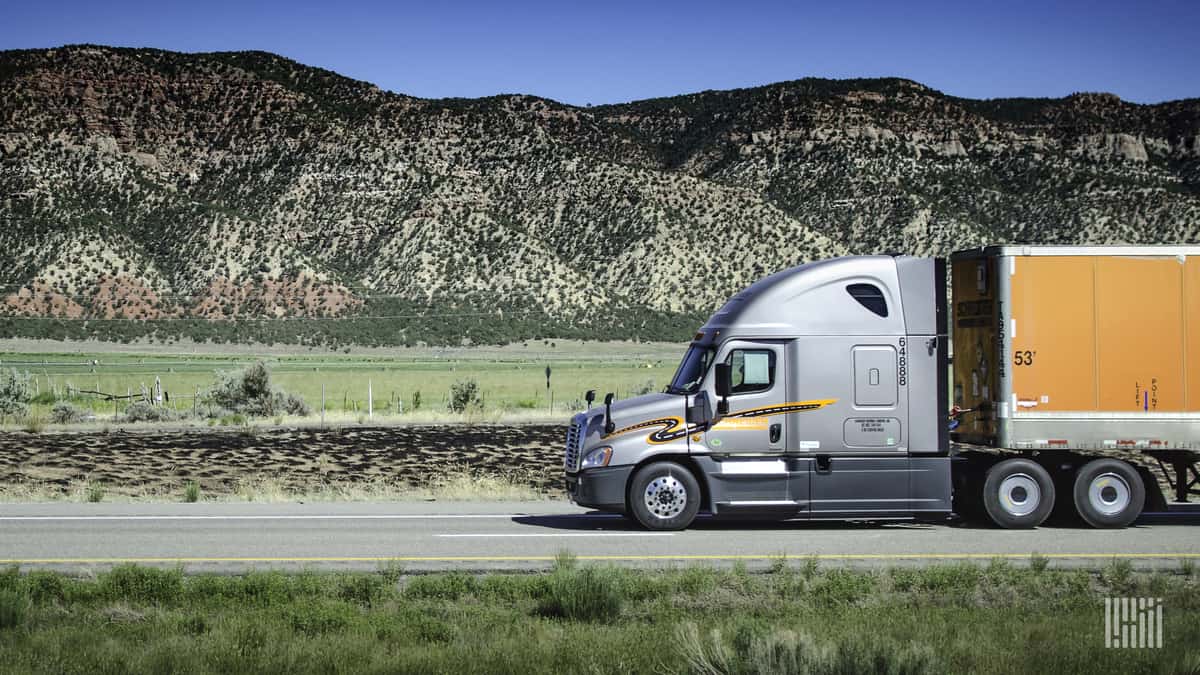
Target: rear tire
point(1018, 494)
point(1109, 493)
point(664, 496)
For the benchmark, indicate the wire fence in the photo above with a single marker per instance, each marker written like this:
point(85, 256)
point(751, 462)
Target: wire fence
point(357, 397)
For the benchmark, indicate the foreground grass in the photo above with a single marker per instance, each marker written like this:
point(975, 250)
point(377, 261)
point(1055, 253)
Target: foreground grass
point(798, 618)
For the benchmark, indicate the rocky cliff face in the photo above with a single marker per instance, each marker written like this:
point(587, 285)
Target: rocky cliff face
point(191, 190)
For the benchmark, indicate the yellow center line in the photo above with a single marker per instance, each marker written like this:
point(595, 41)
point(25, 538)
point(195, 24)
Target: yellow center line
point(618, 558)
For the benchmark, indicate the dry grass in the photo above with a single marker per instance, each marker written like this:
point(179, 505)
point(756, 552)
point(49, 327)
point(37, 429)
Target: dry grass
point(467, 485)
point(459, 484)
point(81, 490)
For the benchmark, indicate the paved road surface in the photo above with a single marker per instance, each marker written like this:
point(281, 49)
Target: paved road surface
point(525, 535)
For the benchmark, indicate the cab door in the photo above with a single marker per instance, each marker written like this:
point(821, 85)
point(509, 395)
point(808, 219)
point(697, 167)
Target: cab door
point(859, 445)
point(749, 440)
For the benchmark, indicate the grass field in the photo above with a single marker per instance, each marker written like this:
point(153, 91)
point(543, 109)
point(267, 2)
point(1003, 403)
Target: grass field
point(797, 618)
point(511, 380)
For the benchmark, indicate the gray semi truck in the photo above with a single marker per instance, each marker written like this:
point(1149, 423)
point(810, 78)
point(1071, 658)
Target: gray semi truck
point(827, 391)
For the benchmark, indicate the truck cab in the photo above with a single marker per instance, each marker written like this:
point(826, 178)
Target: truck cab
point(817, 392)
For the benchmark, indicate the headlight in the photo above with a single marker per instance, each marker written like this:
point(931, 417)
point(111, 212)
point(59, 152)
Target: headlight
point(597, 457)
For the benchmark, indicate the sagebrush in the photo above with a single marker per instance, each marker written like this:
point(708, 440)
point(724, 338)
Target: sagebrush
point(250, 392)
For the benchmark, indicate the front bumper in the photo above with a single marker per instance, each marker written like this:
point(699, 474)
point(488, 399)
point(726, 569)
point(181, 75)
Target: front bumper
point(602, 488)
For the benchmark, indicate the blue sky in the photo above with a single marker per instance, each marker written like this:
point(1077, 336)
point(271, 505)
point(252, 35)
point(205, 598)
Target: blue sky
point(612, 50)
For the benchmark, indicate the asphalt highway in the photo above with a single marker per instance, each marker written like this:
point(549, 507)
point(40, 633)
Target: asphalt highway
point(231, 537)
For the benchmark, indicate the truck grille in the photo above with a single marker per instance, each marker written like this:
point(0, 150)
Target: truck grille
point(574, 438)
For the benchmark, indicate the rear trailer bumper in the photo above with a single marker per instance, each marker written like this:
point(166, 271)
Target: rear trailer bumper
point(602, 488)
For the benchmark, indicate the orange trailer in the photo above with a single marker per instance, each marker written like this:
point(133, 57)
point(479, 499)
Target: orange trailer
point(1080, 349)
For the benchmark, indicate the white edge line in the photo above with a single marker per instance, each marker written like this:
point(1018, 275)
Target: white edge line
point(300, 517)
point(561, 534)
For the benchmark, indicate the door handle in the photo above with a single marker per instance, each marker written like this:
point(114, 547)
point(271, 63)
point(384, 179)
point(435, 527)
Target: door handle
point(776, 432)
point(824, 464)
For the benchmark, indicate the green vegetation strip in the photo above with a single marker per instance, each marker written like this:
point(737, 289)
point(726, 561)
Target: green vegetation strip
point(416, 385)
point(797, 617)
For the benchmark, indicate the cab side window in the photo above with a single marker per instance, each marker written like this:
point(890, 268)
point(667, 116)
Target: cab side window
point(751, 370)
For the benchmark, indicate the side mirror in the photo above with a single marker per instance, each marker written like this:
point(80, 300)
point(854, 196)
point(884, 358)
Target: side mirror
point(700, 411)
point(609, 427)
point(722, 379)
point(590, 397)
point(721, 382)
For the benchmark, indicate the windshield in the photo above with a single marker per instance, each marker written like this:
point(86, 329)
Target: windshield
point(691, 370)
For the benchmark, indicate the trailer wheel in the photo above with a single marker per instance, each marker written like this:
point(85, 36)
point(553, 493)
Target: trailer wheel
point(1018, 494)
point(1109, 493)
point(664, 496)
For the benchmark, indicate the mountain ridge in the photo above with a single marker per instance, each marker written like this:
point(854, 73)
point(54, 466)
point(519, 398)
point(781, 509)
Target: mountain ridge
point(242, 195)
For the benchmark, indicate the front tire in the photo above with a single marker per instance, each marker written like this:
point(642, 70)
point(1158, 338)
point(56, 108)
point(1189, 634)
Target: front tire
point(1109, 493)
point(664, 496)
point(1018, 494)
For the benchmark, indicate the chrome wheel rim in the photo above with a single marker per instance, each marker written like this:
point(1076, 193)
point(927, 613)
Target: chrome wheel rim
point(1020, 494)
point(665, 497)
point(1109, 494)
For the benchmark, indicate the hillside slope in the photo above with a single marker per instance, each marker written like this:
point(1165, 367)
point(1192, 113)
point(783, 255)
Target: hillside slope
point(243, 196)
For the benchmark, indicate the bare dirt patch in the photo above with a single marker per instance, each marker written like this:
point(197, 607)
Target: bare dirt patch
point(297, 461)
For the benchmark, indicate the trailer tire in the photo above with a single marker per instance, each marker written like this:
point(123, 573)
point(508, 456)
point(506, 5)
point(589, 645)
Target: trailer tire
point(1109, 493)
point(1018, 494)
point(664, 496)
